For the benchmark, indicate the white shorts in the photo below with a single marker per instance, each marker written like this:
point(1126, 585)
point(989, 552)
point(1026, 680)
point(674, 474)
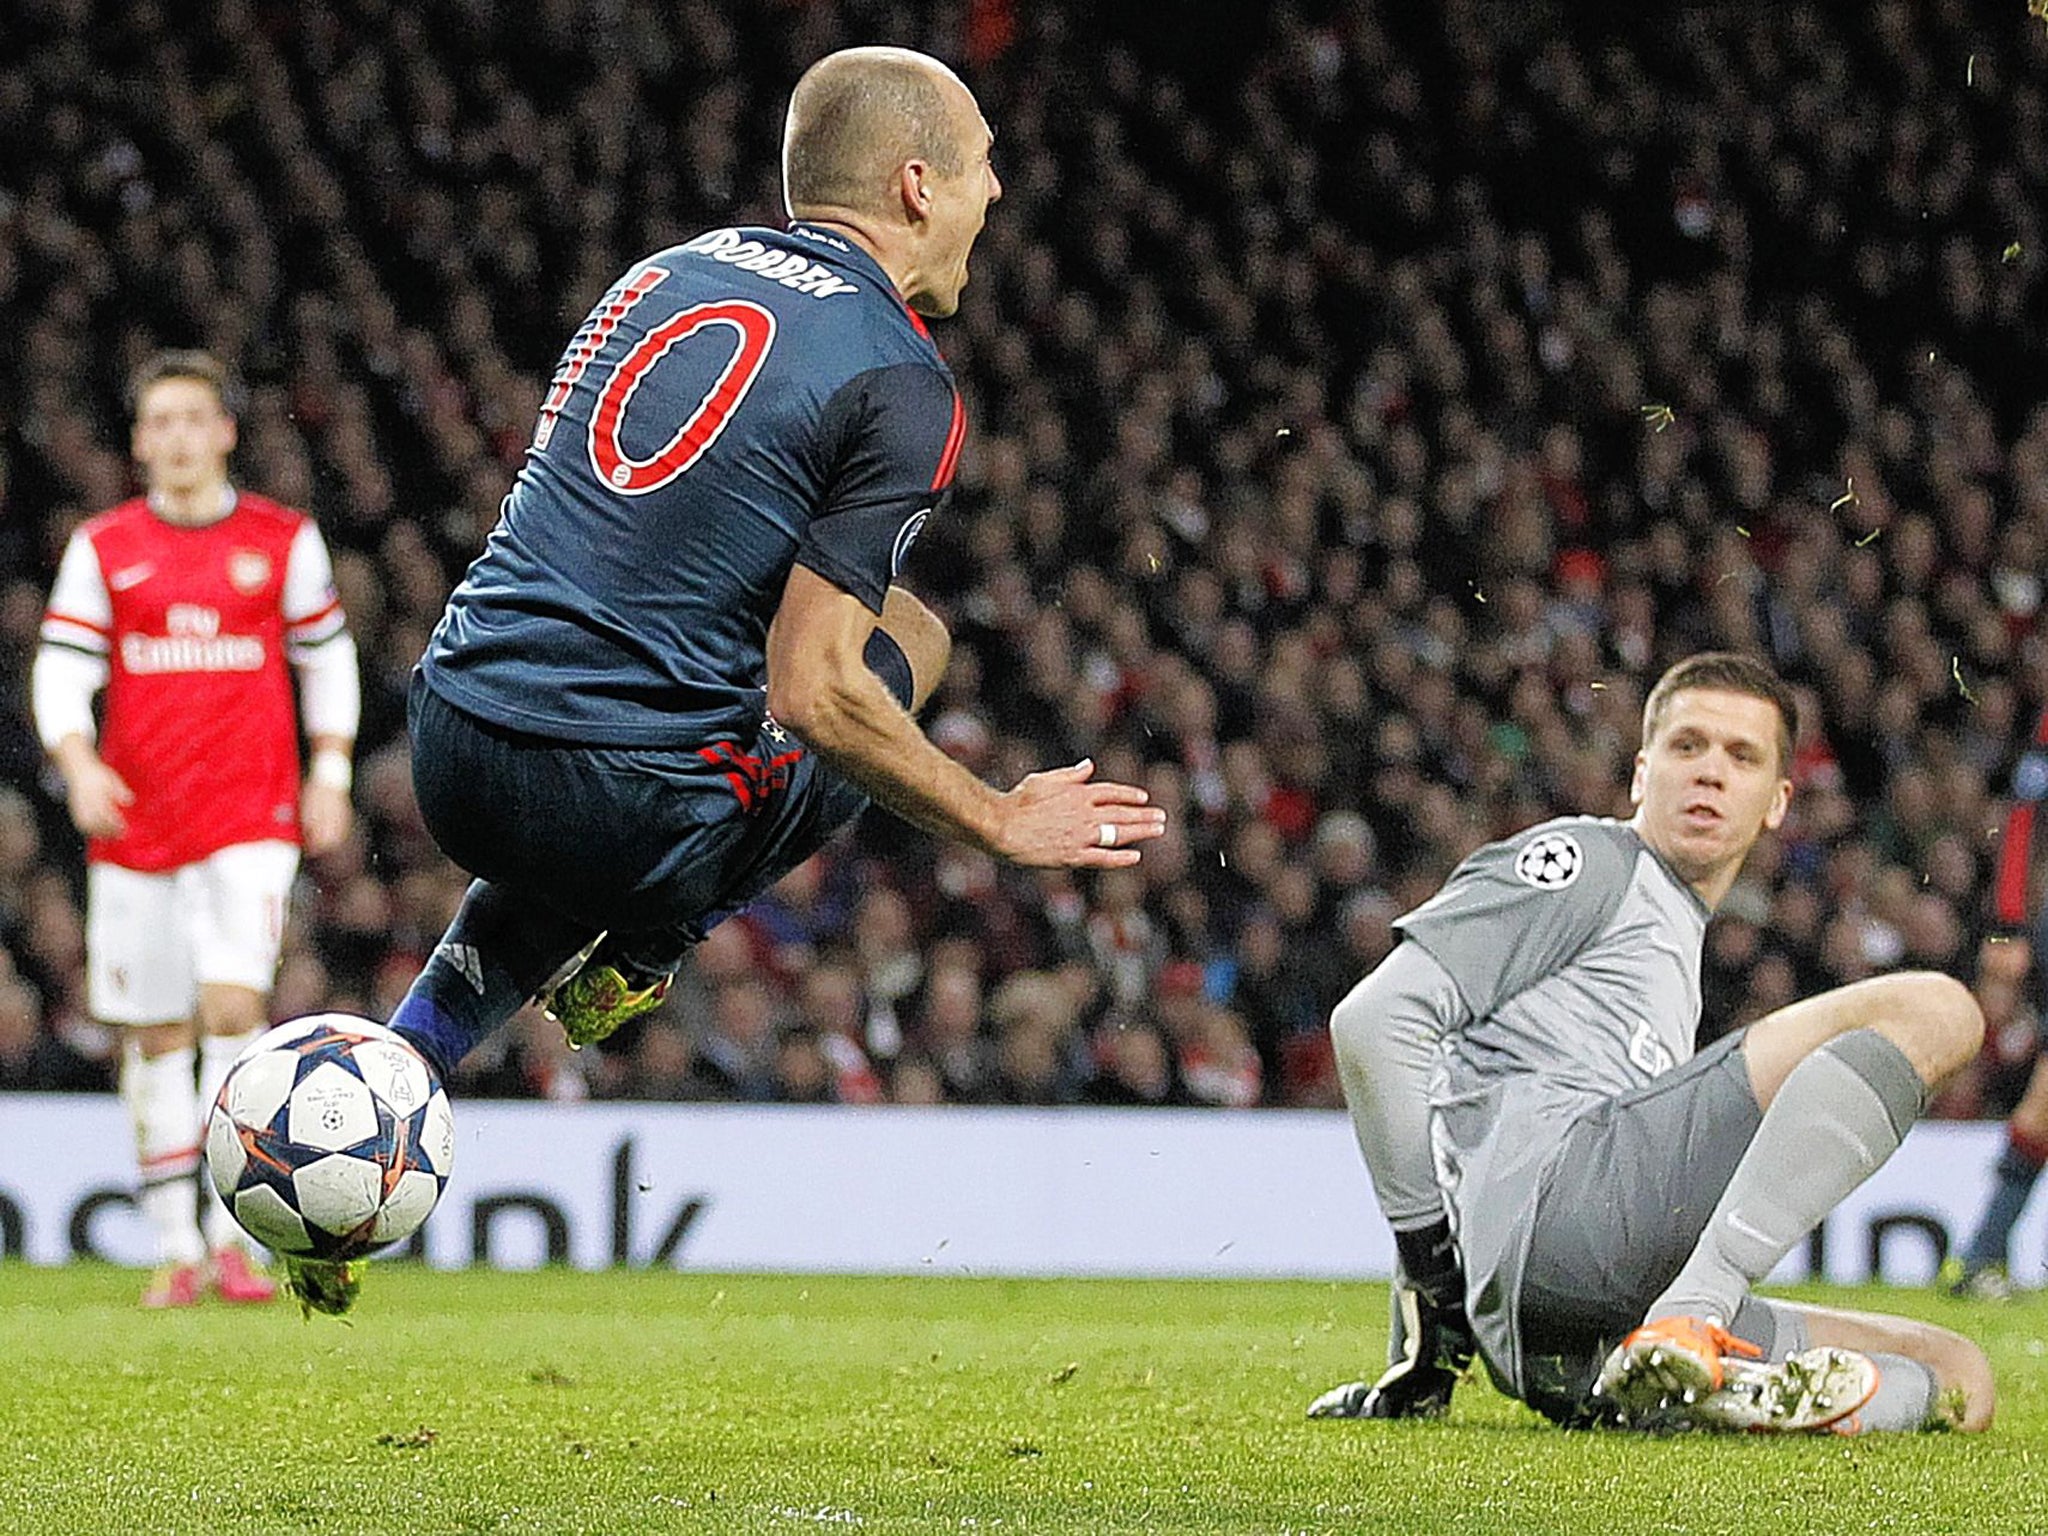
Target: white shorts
point(152, 940)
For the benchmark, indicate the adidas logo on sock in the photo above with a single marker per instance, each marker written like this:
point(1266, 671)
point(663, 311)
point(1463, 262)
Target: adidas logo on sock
point(465, 959)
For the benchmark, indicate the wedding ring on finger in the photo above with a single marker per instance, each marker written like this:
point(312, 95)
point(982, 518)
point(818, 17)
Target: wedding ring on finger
point(1106, 834)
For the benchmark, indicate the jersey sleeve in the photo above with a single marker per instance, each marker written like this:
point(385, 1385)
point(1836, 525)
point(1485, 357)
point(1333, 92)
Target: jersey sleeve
point(311, 608)
point(80, 615)
point(1518, 910)
point(899, 431)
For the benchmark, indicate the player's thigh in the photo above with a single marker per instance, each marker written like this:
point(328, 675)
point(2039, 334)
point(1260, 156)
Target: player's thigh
point(822, 803)
point(609, 837)
point(1928, 1016)
point(1629, 1193)
point(721, 868)
point(818, 804)
point(138, 947)
point(1779, 1041)
point(237, 899)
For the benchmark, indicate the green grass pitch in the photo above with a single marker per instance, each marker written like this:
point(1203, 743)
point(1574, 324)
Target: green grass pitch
point(630, 1402)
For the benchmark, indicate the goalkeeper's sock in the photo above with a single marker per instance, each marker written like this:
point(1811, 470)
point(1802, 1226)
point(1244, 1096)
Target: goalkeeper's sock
point(2017, 1171)
point(217, 1053)
point(1841, 1112)
point(498, 952)
point(1907, 1399)
point(157, 1091)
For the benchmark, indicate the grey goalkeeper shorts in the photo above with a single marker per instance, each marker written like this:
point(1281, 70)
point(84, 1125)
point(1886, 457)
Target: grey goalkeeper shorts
point(1619, 1213)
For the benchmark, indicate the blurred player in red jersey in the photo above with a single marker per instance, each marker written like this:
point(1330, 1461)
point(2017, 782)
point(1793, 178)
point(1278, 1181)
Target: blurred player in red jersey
point(185, 604)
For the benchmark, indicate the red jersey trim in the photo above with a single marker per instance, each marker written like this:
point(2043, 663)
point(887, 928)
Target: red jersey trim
point(62, 629)
point(333, 605)
point(956, 436)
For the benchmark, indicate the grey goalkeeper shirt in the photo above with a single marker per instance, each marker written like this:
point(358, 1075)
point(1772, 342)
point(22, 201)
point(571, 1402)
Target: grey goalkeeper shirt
point(1576, 952)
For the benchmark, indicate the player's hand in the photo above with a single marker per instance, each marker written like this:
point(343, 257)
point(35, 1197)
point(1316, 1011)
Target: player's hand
point(324, 817)
point(1064, 817)
point(95, 795)
point(1436, 1349)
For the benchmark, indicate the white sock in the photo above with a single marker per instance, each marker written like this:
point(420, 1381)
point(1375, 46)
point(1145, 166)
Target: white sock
point(216, 1054)
point(158, 1093)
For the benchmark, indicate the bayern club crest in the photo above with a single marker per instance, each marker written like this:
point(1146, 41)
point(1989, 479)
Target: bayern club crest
point(1551, 861)
point(248, 570)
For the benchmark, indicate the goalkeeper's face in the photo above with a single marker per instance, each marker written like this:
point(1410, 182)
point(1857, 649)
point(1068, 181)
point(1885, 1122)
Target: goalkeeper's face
point(1709, 784)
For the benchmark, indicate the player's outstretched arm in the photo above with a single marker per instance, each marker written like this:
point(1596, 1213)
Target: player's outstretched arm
point(819, 686)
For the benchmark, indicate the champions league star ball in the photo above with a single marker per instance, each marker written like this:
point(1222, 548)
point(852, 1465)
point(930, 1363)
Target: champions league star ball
point(331, 1137)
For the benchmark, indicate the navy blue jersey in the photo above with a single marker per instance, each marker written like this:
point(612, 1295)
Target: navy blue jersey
point(736, 404)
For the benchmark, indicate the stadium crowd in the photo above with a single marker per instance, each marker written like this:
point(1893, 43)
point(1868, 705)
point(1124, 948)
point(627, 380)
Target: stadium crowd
point(1367, 402)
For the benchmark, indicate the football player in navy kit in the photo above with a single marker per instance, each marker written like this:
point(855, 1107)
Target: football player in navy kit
point(681, 662)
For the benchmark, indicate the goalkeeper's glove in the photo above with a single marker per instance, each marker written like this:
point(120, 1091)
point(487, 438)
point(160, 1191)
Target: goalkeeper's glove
point(1435, 1347)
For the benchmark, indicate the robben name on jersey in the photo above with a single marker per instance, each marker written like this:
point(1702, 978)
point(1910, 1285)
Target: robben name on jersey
point(745, 401)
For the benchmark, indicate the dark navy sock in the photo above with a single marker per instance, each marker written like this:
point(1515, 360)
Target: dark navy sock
point(497, 953)
point(2016, 1171)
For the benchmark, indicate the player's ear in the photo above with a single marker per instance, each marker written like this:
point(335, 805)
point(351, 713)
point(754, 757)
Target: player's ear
point(914, 182)
point(1636, 778)
point(1781, 802)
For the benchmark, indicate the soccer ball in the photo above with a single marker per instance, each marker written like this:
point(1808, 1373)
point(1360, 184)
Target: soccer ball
point(331, 1137)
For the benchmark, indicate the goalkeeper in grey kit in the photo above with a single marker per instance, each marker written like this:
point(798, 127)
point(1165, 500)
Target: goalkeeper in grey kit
point(1576, 1194)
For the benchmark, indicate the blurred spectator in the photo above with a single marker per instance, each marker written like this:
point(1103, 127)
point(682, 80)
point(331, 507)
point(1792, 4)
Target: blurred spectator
point(1133, 1066)
point(32, 1060)
point(830, 1006)
point(1038, 1053)
point(738, 1047)
point(950, 1033)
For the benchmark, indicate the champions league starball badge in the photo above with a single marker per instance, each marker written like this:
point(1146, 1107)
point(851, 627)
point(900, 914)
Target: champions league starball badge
point(1550, 862)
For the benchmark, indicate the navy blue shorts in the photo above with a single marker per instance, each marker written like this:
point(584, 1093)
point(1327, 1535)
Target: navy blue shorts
point(656, 844)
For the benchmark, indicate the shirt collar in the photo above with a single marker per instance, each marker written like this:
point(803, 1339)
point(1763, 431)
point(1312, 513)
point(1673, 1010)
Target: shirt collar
point(228, 497)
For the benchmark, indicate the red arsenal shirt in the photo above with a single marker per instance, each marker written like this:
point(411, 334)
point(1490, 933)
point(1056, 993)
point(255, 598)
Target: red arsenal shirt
point(194, 623)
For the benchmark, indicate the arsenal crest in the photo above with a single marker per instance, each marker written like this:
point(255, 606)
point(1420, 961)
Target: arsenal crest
point(248, 569)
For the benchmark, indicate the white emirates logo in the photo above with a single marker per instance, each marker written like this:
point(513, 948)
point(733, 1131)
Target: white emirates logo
point(194, 644)
point(1551, 861)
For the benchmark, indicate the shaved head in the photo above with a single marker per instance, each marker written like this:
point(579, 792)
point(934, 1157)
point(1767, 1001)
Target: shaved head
point(857, 115)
